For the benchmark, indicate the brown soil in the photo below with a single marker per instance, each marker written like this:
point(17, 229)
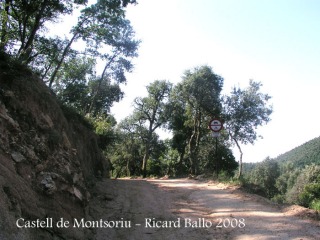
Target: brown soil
point(215, 211)
point(49, 158)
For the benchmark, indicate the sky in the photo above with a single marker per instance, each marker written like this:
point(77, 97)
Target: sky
point(275, 42)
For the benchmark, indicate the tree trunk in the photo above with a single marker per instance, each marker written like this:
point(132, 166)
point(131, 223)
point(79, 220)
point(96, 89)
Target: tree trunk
point(26, 47)
point(178, 165)
point(100, 82)
point(194, 143)
point(57, 68)
point(240, 160)
point(5, 20)
point(65, 52)
point(144, 162)
point(241, 153)
point(128, 168)
point(192, 155)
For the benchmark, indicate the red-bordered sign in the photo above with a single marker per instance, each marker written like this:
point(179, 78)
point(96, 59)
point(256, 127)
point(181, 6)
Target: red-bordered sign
point(215, 125)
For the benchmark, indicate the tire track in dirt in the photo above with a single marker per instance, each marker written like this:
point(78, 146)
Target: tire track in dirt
point(135, 201)
point(204, 210)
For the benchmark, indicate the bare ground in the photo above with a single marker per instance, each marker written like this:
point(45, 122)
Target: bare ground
point(189, 209)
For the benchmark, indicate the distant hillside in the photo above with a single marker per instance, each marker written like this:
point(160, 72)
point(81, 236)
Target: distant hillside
point(305, 154)
point(293, 177)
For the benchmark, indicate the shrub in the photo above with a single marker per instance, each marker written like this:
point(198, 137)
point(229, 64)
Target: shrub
point(306, 187)
point(279, 198)
point(305, 198)
point(310, 194)
point(315, 204)
point(224, 176)
point(264, 175)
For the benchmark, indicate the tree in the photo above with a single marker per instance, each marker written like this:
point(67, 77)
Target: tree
point(243, 111)
point(180, 132)
point(23, 20)
point(102, 27)
point(216, 157)
point(197, 99)
point(4, 8)
point(152, 112)
point(127, 153)
point(170, 159)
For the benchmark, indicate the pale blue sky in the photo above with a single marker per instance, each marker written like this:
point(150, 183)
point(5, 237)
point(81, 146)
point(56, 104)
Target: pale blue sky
point(276, 42)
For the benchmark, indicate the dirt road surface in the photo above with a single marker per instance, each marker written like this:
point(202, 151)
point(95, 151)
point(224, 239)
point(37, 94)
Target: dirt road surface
point(188, 209)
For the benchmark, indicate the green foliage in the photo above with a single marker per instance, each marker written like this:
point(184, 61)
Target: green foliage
point(244, 110)
point(279, 198)
point(305, 198)
point(71, 113)
point(293, 182)
point(250, 187)
point(157, 165)
point(104, 127)
point(303, 155)
point(224, 176)
point(194, 101)
point(108, 38)
point(23, 21)
point(216, 158)
point(201, 88)
point(151, 113)
point(103, 30)
point(247, 168)
point(125, 154)
point(297, 183)
point(315, 204)
point(302, 190)
point(310, 195)
point(300, 174)
point(265, 175)
point(173, 157)
point(171, 160)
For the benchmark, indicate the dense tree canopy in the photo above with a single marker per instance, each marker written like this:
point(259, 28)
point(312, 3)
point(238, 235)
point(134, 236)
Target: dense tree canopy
point(186, 110)
point(23, 21)
point(105, 33)
point(195, 100)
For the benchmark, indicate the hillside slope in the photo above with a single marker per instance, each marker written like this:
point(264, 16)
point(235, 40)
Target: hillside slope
point(302, 155)
point(49, 158)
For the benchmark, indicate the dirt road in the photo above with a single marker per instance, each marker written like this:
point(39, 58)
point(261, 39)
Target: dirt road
point(188, 209)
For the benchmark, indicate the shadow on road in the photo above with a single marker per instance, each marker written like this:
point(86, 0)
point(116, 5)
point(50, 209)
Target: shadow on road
point(205, 211)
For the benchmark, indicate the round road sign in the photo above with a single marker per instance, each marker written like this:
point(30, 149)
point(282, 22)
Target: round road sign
point(215, 125)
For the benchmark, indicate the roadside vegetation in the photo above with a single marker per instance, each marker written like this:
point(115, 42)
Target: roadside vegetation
point(293, 177)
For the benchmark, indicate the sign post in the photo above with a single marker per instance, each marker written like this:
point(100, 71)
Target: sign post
point(216, 125)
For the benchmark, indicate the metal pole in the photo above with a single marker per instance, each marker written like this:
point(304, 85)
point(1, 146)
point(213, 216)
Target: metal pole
point(217, 155)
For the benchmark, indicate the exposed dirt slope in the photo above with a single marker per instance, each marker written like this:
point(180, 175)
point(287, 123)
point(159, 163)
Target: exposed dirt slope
point(48, 157)
point(215, 211)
